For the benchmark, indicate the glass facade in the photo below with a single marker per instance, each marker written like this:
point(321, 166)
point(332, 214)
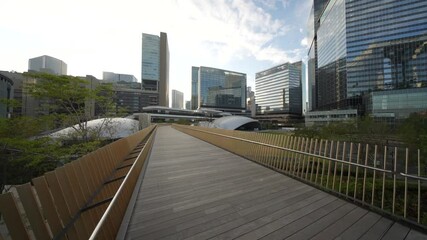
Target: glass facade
point(278, 89)
point(220, 89)
point(369, 48)
point(155, 69)
point(118, 77)
point(194, 88)
point(397, 104)
point(386, 45)
point(150, 69)
point(177, 99)
point(331, 53)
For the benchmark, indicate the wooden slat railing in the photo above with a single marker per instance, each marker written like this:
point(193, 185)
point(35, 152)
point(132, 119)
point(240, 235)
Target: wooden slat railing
point(68, 203)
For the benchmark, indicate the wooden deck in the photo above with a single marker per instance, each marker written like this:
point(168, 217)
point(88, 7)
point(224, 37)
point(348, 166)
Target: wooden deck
point(194, 190)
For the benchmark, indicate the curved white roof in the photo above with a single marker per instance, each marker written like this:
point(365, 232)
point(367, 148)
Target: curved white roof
point(110, 128)
point(232, 122)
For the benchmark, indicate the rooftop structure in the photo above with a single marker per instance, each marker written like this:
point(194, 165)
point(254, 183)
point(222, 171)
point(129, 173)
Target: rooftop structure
point(47, 64)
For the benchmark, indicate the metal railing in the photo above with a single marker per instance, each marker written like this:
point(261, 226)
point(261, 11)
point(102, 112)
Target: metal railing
point(69, 202)
point(386, 180)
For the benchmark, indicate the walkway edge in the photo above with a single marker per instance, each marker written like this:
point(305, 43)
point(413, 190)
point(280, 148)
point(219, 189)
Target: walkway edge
point(121, 234)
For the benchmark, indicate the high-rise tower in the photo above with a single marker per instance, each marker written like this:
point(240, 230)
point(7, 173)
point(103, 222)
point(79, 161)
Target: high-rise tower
point(155, 69)
point(368, 58)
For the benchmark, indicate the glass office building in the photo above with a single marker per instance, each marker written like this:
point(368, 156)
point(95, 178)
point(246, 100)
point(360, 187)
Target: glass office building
point(219, 89)
point(278, 89)
point(155, 69)
point(366, 49)
point(177, 99)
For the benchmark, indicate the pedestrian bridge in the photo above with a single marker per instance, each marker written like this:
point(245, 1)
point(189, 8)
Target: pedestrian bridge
point(191, 189)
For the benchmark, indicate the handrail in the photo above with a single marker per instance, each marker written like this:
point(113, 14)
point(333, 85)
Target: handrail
point(97, 231)
point(312, 155)
point(413, 177)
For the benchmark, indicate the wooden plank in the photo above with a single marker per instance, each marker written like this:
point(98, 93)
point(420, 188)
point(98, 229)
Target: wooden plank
point(60, 203)
point(338, 227)
point(377, 230)
point(12, 217)
point(47, 203)
point(319, 225)
point(68, 190)
point(396, 232)
point(32, 211)
point(360, 227)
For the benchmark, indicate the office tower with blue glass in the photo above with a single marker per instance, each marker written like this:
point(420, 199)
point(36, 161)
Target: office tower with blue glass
point(368, 58)
point(278, 89)
point(155, 69)
point(219, 89)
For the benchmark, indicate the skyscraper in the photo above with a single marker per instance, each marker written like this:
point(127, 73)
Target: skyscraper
point(47, 64)
point(194, 88)
point(177, 99)
point(155, 69)
point(369, 54)
point(278, 89)
point(219, 89)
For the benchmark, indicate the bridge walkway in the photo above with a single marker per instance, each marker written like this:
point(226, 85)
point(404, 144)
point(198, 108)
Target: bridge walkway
point(194, 190)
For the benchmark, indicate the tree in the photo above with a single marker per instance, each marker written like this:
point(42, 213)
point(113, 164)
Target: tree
point(72, 101)
point(21, 155)
point(26, 152)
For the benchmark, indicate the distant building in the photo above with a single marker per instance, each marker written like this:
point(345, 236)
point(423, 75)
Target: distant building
point(250, 101)
point(278, 89)
point(177, 99)
point(118, 77)
point(6, 92)
point(47, 64)
point(188, 105)
point(194, 88)
point(219, 89)
point(155, 69)
point(128, 100)
point(29, 106)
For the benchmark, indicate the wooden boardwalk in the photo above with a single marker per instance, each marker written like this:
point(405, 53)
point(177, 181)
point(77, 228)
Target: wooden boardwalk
point(194, 190)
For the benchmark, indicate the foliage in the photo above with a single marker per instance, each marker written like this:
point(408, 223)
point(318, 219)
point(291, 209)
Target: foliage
point(71, 101)
point(360, 130)
point(413, 132)
point(67, 101)
point(22, 157)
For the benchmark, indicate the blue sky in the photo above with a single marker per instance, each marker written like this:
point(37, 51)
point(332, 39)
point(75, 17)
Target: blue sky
point(93, 36)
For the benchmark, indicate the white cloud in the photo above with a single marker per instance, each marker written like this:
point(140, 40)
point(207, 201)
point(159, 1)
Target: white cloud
point(95, 36)
point(234, 29)
point(304, 42)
